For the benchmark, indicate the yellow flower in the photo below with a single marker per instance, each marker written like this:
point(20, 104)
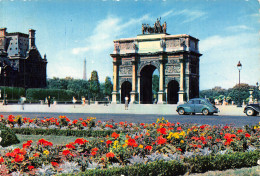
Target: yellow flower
point(182, 133)
point(46, 152)
point(101, 141)
point(124, 145)
point(182, 141)
point(116, 144)
point(141, 146)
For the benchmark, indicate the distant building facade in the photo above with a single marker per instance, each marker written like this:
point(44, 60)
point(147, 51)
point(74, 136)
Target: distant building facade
point(176, 57)
point(21, 63)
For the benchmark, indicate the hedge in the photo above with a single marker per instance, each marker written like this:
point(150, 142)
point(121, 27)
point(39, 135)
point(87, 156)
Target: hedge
point(41, 94)
point(198, 164)
point(13, 93)
point(8, 136)
point(59, 132)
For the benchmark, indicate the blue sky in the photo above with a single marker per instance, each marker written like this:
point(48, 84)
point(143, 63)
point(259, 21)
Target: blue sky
point(69, 31)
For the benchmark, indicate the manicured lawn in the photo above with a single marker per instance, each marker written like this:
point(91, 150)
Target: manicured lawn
point(253, 171)
point(56, 140)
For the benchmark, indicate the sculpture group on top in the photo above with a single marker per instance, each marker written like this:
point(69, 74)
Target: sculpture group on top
point(157, 29)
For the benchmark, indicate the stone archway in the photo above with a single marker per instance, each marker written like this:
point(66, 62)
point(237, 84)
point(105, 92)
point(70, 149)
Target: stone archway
point(146, 93)
point(172, 92)
point(126, 88)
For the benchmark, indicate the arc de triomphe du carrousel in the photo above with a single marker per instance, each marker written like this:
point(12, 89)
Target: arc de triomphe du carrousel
point(176, 57)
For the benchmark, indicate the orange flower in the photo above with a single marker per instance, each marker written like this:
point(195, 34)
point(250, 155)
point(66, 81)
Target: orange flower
point(110, 155)
point(36, 155)
point(161, 140)
point(115, 135)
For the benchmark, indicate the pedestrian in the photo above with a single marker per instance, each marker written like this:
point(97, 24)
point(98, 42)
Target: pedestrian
point(22, 100)
point(83, 99)
point(49, 101)
point(126, 103)
point(74, 100)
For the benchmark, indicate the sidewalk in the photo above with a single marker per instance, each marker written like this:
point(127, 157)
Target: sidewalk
point(163, 109)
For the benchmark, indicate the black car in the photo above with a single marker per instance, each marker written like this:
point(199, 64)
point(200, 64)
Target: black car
point(252, 109)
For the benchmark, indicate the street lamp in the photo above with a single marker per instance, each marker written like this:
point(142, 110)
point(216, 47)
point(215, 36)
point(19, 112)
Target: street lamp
point(239, 67)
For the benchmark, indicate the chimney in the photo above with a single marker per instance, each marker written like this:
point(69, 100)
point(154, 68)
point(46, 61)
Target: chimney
point(2, 38)
point(32, 38)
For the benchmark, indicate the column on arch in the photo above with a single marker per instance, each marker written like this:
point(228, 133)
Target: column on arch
point(161, 93)
point(134, 82)
point(181, 91)
point(115, 93)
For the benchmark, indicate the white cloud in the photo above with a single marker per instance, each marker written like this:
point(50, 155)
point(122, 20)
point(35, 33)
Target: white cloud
point(238, 28)
point(221, 55)
point(187, 15)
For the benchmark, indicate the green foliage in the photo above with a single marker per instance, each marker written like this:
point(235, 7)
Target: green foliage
point(41, 94)
point(155, 85)
point(231, 94)
point(13, 93)
point(58, 132)
point(197, 164)
point(80, 87)
point(108, 87)
point(8, 136)
point(94, 85)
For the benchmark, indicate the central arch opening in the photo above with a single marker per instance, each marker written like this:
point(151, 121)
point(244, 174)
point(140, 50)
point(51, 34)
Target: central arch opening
point(126, 88)
point(173, 89)
point(147, 93)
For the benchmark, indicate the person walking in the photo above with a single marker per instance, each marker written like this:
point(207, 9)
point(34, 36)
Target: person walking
point(126, 103)
point(49, 101)
point(22, 100)
point(74, 100)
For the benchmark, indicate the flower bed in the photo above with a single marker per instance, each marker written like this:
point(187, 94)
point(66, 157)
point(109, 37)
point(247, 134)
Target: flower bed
point(193, 148)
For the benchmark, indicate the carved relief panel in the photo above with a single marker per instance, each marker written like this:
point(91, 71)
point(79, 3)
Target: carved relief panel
point(170, 69)
point(125, 70)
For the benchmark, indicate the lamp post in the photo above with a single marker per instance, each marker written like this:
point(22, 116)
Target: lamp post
point(239, 67)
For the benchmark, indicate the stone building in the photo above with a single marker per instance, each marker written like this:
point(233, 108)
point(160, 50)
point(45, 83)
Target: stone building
point(176, 57)
point(20, 61)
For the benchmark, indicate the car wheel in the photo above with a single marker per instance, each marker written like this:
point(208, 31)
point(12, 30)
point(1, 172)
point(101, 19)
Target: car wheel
point(193, 113)
point(250, 112)
point(181, 111)
point(205, 112)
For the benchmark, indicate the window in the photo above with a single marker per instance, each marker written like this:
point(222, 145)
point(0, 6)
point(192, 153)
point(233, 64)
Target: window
point(196, 101)
point(191, 102)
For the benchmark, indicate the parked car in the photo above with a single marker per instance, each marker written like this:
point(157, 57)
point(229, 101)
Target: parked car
point(197, 105)
point(252, 109)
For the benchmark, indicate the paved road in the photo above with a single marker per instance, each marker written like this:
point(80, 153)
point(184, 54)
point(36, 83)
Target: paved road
point(238, 121)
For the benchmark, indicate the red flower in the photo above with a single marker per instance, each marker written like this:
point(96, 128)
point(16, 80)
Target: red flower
point(80, 141)
point(54, 164)
point(209, 137)
point(19, 158)
point(70, 146)
point(84, 124)
point(161, 140)
point(2, 160)
point(110, 155)
point(30, 167)
point(93, 153)
point(75, 121)
point(94, 149)
point(115, 135)
point(36, 155)
point(218, 140)
point(148, 147)
point(247, 135)
point(66, 152)
point(202, 138)
point(239, 131)
point(228, 142)
point(161, 130)
point(179, 129)
point(132, 142)
point(227, 136)
point(109, 142)
point(142, 124)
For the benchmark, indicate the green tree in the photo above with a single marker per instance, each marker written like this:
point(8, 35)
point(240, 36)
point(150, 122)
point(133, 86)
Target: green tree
point(80, 87)
point(242, 92)
point(108, 87)
point(94, 85)
point(155, 84)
